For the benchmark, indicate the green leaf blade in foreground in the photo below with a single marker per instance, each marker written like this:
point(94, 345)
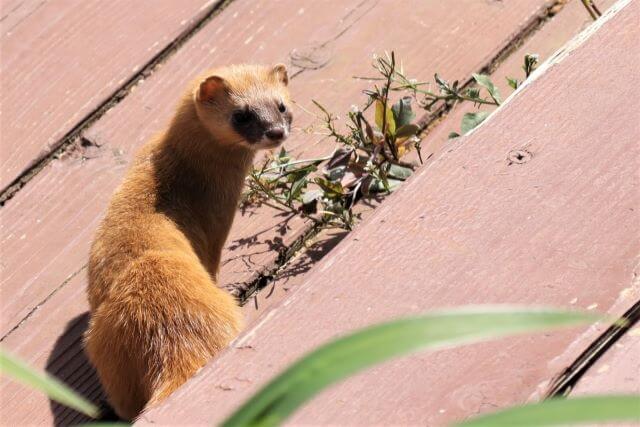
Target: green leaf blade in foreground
point(348, 355)
point(554, 412)
point(56, 390)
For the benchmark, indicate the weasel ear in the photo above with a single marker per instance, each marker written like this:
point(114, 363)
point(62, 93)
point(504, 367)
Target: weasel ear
point(210, 88)
point(280, 71)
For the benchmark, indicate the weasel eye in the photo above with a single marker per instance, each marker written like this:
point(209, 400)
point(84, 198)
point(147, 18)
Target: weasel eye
point(242, 117)
point(282, 108)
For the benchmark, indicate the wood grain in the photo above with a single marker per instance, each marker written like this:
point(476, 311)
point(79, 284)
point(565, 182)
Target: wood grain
point(47, 227)
point(473, 227)
point(617, 372)
point(551, 37)
point(54, 344)
point(63, 59)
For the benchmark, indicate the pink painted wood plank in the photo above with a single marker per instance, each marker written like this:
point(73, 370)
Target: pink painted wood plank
point(47, 227)
point(53, 344)
point(61, 60)
point(618, 369)
point(50, 340)
point(571, 20)
point(552, 36)
point(618, 372)
point(59, 342)
point(472, 227)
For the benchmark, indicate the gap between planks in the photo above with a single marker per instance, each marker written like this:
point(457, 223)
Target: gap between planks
point(427, 122)
point(563, 383)
point(44, 301)
point(73, 140)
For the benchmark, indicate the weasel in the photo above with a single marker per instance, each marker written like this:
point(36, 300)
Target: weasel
point(157, 315)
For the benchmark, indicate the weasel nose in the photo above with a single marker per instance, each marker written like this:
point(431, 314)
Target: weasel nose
point(275, 134)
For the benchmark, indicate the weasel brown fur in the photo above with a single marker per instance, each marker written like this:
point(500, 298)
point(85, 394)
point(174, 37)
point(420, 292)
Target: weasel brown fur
point(157, 315)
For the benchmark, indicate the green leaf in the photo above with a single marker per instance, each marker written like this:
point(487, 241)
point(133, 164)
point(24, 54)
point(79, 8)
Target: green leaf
point(453, 135)
point(336, 173)
point(378, 185)
point(283, 153)
point(331, 189)
point(379, 113)
point(375, 186)
point(53, 388)
point(297, 188)
point(346, 356)
point(471, 120)
point(530, 64)
point(485, 81)
point(514, 83)
point(407, 130)
point(390, 122)
point(393, 184)
point(554, 412)
point(402, 113)
point(399, 172)
point(473, 93)
point(297, 174)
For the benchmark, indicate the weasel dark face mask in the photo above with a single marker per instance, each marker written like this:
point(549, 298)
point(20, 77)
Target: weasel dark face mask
point(250, 104)
point(266, 124)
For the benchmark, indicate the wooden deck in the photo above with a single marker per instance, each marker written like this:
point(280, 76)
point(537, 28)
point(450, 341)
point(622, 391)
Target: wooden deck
point(84, 85)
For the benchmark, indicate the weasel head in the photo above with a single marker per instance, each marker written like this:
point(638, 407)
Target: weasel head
point(247, 105)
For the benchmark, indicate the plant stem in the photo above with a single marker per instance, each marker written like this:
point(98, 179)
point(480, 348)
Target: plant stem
point(296, 162)
point(448, 97)
point(457, 97)
point(270, 193)
point(588, 4)
point(385, 101)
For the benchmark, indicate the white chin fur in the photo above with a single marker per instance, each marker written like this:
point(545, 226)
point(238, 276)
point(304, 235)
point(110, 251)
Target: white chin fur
point(266, 143)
